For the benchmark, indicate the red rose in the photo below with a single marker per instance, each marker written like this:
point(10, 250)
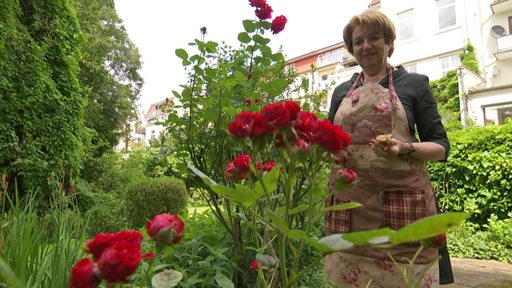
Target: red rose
point(97, 246)
point(83, 275)
point(254, 265)
point(265, 166)
point(347, 176)
point(242, 166)
point(165, 228)
point(247, 102)
point(280, 114)
point(330, 136)
point(264, 12)
point(229, 171)
point(258, 3)
point(119, 261)
point(300, 147)
point(248, 124)
point(278, 24)
point(307, 124)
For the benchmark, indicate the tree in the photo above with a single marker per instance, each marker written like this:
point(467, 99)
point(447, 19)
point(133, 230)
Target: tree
point(109, 77)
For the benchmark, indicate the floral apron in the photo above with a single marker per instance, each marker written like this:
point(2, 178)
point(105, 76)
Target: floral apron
point(393, 191)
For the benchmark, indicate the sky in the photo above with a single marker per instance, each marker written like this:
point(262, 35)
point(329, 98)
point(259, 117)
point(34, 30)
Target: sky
point(159, 27)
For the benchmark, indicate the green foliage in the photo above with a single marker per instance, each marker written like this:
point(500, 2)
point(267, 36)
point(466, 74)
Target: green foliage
point(478, 174)
point(40, 248)
point(490, 241)
point(108, 74)
point(106, 215)
point(147, 198)
point(468, 58)
point(204, 252)
point(41, 114)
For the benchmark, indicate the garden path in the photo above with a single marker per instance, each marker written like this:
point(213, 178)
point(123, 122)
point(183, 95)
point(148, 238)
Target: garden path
point(469, 273)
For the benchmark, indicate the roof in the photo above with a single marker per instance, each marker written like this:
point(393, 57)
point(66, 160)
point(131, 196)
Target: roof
point(373, 3)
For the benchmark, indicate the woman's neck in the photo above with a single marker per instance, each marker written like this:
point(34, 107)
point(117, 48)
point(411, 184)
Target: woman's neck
point(375, 77)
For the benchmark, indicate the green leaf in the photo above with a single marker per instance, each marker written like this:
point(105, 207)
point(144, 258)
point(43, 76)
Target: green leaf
point(343, 206)
point(241, 194)
point(298, 209)
point(296, 234)
point(335, 243)
point(223, 281)
point(428, 227)
point(244, 37)
point(378, 236)
point(278, 222)
point(207, 180)
point(181, 53)
point(266, 260)
point(249, 26)
point(260, 40)
point(9, 275)
point(166, 279)
point(269, 180)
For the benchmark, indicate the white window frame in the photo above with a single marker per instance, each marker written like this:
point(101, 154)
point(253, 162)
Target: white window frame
point(449, 62)
point(406, 23)
point(446, 7)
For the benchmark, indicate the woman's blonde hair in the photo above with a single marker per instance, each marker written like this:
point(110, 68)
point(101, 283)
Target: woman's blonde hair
point(375, 20)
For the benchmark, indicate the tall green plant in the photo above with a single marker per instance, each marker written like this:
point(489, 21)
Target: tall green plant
point(222, 82)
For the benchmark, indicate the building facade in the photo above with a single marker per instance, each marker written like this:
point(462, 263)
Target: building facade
point(430, 36)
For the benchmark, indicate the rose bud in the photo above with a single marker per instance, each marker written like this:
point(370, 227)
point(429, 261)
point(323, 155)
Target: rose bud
point(165, 228)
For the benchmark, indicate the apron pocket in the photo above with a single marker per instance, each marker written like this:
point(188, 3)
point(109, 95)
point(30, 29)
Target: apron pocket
point(402, 207)
point(337, 221)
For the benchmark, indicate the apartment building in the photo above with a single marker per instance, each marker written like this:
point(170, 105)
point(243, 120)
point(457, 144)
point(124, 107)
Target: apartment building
point(430, 36)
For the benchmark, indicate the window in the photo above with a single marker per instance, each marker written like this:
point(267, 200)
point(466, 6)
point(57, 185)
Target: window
point(411, 68)
point(504, 113)
point(446, 10)
point(449, 63)
point(406, 24)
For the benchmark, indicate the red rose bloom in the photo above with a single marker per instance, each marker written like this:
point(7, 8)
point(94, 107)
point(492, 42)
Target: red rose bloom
point(265, 166)
point(248, 124)
point(83, 275)
point(330, 136)
point(229, 171)
point(242, 166)
point(258, 3)
point(247, 102)
point(300, 147)
point(278, 24)
point(165, 228)
point(264, 12)
point(254, 265)
point(280, 114)
point(119, 261)
point(347, 176)
point(101, 242)
point(307, 124)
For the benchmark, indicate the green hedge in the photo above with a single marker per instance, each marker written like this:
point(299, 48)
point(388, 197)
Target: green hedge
point(149, 197)
point(478, 174)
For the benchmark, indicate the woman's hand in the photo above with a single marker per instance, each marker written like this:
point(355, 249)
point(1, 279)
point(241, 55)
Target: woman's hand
point(387, 147)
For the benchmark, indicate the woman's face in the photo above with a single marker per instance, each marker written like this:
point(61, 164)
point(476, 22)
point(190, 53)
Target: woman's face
point(370, 49)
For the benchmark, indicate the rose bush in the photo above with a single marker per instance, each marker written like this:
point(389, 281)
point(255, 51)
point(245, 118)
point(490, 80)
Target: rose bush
point(117, 256)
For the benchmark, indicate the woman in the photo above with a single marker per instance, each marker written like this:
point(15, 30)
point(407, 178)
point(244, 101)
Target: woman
point(393, 186)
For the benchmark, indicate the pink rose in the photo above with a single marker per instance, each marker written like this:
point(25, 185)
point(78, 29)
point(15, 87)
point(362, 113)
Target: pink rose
point(278, 24)
point(83, 275)
point(165, 228)
point(300, 147)
point(347, 176)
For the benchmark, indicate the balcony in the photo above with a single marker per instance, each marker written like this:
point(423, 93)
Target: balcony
point(501, 6)
point(504, 47)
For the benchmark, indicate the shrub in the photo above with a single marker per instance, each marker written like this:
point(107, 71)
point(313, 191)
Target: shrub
point(154, 196)
point(106, 215)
